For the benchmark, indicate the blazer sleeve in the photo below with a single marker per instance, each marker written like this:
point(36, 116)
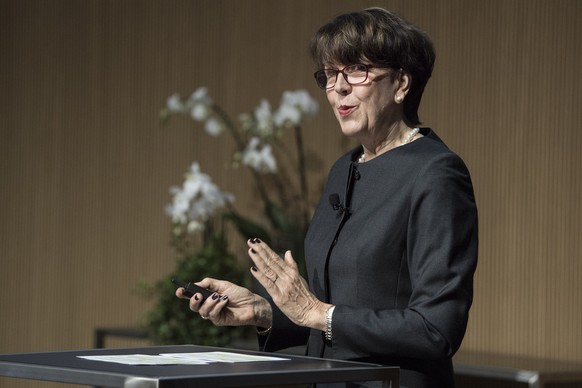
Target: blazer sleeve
point(284, 333)
point(441, 254)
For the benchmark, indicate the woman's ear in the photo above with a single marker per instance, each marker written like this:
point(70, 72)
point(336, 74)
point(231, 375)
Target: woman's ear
point(403, 81)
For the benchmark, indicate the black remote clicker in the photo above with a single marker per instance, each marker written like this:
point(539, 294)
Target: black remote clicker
point(190, 289)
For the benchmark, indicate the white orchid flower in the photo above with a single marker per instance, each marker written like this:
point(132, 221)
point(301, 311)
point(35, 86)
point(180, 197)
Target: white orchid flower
point(197, 200)
point(213, 126)
point(264, 119)
point(259, 159)
point(295, 107)
point(200, 95)
point(302, 100)
point(174, 104)
point(199, 112)
point(288, 116)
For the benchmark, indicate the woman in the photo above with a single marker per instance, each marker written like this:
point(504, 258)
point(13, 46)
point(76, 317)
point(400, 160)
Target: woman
point(392, 246)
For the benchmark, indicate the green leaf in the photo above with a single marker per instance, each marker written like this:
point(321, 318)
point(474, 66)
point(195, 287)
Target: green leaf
point(171, 321)
point(164, 116)
point(280, 219)
point(247, 228)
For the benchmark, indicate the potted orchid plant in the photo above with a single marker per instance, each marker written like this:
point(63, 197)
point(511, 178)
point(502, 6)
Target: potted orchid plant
point(200, 210)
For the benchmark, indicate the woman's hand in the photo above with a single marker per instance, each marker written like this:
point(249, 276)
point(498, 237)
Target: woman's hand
point(229, 305)
point(289, 290)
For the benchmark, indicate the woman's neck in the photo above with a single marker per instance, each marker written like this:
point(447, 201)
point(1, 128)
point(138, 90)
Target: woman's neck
point(393, 137)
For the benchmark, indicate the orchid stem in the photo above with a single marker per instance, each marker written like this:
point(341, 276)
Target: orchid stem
point(241, 147)
point(302, 174)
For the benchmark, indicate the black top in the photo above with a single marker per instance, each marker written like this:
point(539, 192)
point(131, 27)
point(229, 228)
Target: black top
point(396, 257)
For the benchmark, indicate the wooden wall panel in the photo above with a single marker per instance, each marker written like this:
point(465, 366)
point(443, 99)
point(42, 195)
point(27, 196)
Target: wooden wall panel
point(85, 167)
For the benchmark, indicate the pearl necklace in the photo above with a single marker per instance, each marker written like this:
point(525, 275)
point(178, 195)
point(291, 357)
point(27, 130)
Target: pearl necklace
point(408, 139)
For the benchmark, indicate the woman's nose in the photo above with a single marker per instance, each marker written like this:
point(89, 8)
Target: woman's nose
point(341, 84)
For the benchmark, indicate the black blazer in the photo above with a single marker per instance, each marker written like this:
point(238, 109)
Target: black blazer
point(396, 256)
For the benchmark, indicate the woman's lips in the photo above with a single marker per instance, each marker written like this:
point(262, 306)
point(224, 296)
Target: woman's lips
point(345, 110)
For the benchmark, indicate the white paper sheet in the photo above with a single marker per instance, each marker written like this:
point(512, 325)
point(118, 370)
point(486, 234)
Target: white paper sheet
point(201, 358)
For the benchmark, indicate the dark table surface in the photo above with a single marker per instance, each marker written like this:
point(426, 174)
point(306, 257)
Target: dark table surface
point(66, 366)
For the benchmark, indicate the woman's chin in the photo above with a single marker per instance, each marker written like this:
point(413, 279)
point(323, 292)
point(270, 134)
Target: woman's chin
point(351, 131)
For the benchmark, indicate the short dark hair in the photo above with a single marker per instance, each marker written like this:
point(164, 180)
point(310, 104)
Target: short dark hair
point(379, 37)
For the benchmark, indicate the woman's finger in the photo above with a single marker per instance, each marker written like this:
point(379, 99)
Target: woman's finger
point(215, 314)
point(264, 252)
point(180, 293)
point(267, 280)
point(266, 260)
point(267, 275)
point(213, 285)
point(208, 306)
point(290, 261)
point(196, 302)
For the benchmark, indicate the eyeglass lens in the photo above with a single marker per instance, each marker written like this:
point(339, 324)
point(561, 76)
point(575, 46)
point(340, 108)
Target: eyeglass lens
point(353, 74)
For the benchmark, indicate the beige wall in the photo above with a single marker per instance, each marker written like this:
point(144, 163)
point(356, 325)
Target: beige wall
point(85, 167)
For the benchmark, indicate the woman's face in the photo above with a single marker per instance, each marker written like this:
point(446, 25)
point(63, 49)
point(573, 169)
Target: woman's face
point(367, 109)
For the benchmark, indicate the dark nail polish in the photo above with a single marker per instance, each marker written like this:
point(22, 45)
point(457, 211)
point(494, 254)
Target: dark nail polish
point(196, 297)
point(225, 297)
point(252, 250)
point(254, 269)
point(214, 296)
point(257, 240)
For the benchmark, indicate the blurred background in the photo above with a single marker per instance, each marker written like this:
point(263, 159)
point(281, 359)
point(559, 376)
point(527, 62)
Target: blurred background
point(85, 165)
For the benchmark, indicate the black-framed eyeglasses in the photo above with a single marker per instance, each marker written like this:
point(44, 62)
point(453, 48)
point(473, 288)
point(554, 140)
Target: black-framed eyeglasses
point(353, 74)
